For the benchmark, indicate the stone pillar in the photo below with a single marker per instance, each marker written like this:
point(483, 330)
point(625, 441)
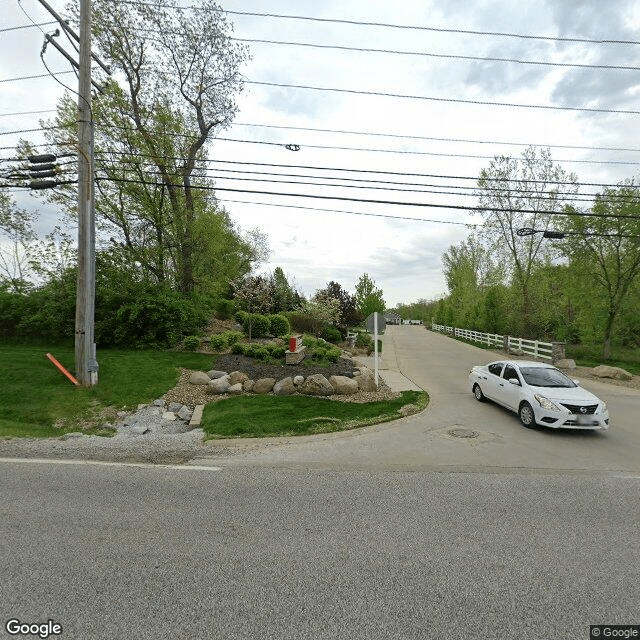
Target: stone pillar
point(557, 351)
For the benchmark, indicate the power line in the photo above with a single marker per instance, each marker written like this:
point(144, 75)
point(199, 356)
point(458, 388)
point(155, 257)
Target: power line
point(446, 100)
point(445, 56)
point(41, 75)
point(419, 27)
point(386, 202)
point(367, 171)
point(411, 27)
point(410, 137)
point(27, 26)
point(26, 113)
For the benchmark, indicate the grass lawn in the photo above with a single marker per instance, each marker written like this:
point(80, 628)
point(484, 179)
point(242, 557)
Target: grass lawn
point(37, 401)
point(267, 415)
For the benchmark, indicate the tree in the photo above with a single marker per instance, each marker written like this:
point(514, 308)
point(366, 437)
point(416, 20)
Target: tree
point(285, 297)
point(368, 297)
point(17, 230)
point(180, 74)
point(608, 249)
point(322, 310)
point(255, 293)
point(515, 194)
point(349, 314)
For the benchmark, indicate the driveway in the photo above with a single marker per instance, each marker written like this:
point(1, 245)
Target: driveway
point(440, 365)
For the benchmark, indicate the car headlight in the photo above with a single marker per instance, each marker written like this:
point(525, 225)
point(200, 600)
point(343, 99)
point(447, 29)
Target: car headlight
point(604, 406)
point(545, 403)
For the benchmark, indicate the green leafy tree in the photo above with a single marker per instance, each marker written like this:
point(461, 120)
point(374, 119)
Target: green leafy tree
point(368, 297)
point(322, 311)
point(349, 314)
point(608, 250)
point(522, 193)
point(177, 81)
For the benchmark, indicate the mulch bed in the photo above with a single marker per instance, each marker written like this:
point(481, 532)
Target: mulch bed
point(256, 369)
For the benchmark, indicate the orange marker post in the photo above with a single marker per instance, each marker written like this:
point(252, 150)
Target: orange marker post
point(63, 370)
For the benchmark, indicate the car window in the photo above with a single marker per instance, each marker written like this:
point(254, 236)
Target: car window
point(496, 368)
point(546, 377)
point(510, 372)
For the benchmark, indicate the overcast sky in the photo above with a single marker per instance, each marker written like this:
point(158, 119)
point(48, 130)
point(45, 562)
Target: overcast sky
point(402, 256)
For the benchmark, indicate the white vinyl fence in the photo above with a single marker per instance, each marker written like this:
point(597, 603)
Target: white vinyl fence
point(533, 348)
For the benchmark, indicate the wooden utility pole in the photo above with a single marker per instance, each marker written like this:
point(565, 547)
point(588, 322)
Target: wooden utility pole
point(85, 355)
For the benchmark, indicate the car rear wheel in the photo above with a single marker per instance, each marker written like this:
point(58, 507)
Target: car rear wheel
point(526, 415)
point(477, 392)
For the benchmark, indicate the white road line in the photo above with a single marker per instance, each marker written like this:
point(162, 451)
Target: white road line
point(141, 465)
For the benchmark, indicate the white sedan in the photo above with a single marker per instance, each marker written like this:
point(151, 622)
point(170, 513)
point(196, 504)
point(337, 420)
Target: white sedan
point(540, 394)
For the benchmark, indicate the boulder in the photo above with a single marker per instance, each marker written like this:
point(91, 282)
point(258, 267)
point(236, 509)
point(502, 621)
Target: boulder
point(235, 389)
point(343, 385)
point(284, 387)
point(316, 385)
point(168, 416)
point(175, 407)
point(247, 385)
point(605, 371)
point(264, 385)
point(199, 377)
point(237, 376)
point(218, 385)
point(298, 380)
point(566, 363)
point(214, 375)
point(366, 380)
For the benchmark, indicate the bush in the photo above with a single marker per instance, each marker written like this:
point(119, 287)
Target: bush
point(240, 316)
point(218, 342)
point(364, 340)
point(259, 325)
point(232, 337)
point(278, 325)
point(238, 348)
point(191, 343)
point(157, 319)
point(301, 323)
point(331, 334)
point(225, 308)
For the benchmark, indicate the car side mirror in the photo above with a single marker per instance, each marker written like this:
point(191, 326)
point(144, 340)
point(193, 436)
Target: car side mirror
point(576, 382)
point(514, 381)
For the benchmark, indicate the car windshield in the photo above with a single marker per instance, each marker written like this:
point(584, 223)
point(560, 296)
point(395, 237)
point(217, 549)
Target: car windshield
point(545, 377)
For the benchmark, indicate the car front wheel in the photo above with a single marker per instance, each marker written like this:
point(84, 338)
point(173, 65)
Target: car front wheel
point(526, 415)
point(477, 392)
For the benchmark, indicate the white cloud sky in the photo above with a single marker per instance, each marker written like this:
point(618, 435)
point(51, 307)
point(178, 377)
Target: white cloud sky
point(402, 256)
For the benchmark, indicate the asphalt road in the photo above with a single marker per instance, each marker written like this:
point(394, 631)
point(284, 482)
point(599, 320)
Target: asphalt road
point(398, 531)
point(151, 553)
point(441, 366)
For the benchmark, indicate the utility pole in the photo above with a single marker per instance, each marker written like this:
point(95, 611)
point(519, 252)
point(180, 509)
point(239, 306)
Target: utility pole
point(85, 349)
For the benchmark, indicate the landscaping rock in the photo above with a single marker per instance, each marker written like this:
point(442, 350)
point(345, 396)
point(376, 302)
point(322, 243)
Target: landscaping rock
point(343, 385)
point(168, 416)
point(264, 385)
point(605, 371)
point(214, 375)
point(141, 430)
point(184, 413)
point(567, 363)
point(70, 436)
point(219, 385)
point(248, 385)
point(159, 403)
point(298, 380)
point(235, 389)
point(284, 387)
point(237, 376)
point(316, 385)
point(175, 407)
point(199, 377)
point(366, 380)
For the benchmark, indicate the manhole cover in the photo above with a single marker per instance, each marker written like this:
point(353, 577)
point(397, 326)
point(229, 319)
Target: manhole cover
point(460, 432)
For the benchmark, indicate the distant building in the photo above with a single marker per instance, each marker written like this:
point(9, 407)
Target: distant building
point(391, 317)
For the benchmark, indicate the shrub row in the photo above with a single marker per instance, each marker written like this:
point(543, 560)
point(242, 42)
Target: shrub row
point(261, 326)
point(259, 351)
